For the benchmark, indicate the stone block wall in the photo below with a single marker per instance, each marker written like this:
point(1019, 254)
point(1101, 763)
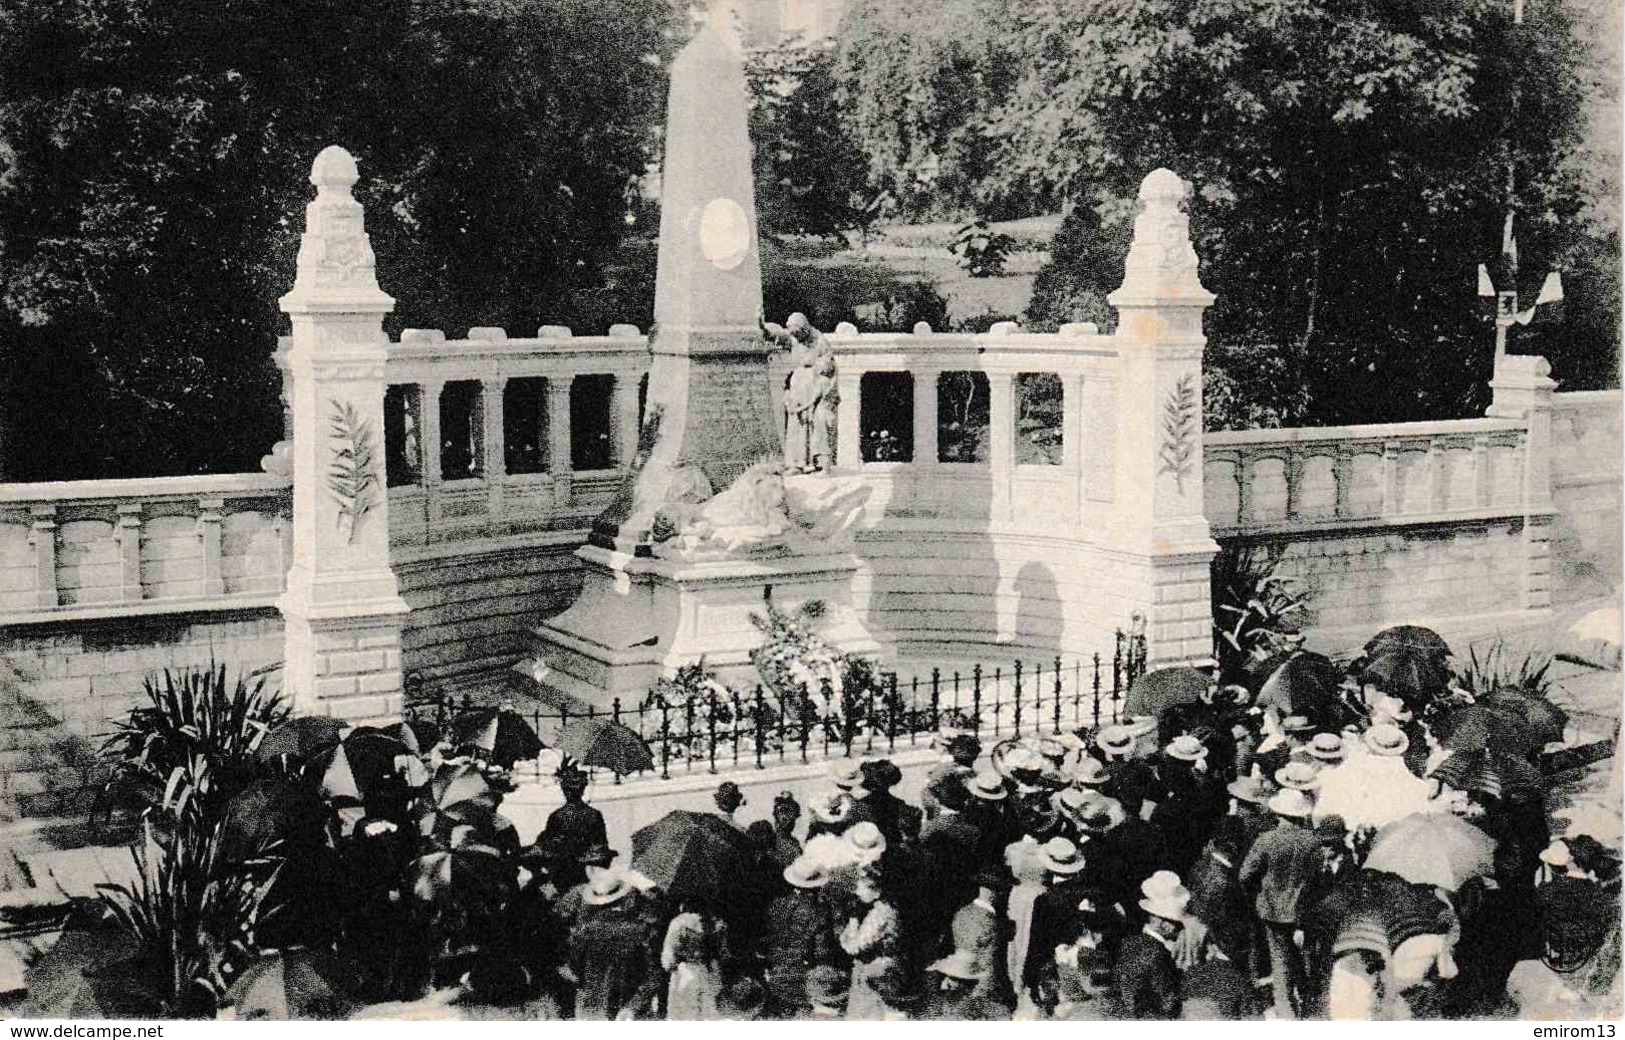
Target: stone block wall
point(1444, 575)
point(62, 687)
point(474, 610)
point(1586, 490)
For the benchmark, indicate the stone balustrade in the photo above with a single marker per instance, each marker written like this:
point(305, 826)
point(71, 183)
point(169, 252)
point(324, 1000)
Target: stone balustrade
point(488, 437)
point(1000, 430)
point(1270, 482)
point(107, 548)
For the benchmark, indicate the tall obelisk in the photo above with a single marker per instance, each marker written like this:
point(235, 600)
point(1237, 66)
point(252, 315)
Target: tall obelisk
point(709, 402)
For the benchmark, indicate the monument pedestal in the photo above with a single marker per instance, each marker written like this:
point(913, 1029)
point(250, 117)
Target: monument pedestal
point(639, 618)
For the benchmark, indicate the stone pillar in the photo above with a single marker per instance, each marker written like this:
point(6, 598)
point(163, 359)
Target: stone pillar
point(848, 449)
point(210, 514)
point(925, 417)
point(1001, 447)
point(128, 534)
point(558, 438)
point(1522, 389)
point(625, 417)
point(1156, 528)
point(496, 460)
point(342, 610)
point(42, 536)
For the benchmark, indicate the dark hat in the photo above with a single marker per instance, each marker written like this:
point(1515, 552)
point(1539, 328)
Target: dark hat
point(728, 795)
point(786, 800)
point(741, 999)
point(571, 775)
point(881, 774)
point(964, 744)
point(898, 986)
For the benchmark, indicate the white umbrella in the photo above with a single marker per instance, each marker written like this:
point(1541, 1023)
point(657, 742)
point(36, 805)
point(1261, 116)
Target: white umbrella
point(1603, 625)
point(1371, 791)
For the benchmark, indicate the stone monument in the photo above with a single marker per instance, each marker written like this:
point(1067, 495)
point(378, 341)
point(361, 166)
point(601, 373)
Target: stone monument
point(708, 524)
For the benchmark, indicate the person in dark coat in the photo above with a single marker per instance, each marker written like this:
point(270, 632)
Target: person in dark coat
point(1133, 780)
point(885, 809)
point(955, 847)
point(1127, 849)
point(1217, 898)
point(1282, 870)
point(798, 937)
point(1146, 979)
point(963, 751)
point(786, 812)
point(1055, 913)
point(572, 829)
point(1191, 805)
point(614, 953)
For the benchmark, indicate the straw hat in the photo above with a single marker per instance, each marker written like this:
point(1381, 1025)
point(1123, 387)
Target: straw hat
point(867, 842)
point(1328, 747)
point(831, 809)
point(1186, 748)
point(827, 986)
point(1061, 856)
point(846, 773)
point(961, 964)
point(1252, 788)
point(1557, 855)
point(1293, 803)
point(986, 785)
point(1138, 726)
point(1089, 771)
point(1165, 896)
point(608, 887)
point(1299, 776)
point(1296, 724)
point(1387, 740)
point(806, 872)
point(1115, 741)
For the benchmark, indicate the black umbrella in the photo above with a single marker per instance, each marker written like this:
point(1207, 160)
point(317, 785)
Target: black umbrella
point(500, 734)
point(1305, 685)
point(693, 855)
point(1544, 720)
point(1483, 727)
point(298, 739)
point(470, 875)
point(1407, 672)
point(93, 971)
point(294, 984)
point(268, 810)
point(1408, 637)
point(356, 767)
point(1158, 690)
point(605, 744)
point(1508, 777)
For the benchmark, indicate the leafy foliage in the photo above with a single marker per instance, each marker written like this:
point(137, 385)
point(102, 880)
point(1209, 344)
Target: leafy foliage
point(153, 169)
point(811, 179)
point(352, 476)
point(1255, 610)
point(194, 732)
point(982, 252)
point(1347, 166)
point(189, 909)
point(1177, 447)
point(1498, 670)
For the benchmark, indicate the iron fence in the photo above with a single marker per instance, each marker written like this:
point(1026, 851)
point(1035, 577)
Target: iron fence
point(764, 726)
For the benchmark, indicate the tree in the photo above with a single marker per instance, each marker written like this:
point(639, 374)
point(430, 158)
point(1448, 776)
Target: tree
point(1347, 168)
point(917, 79)
point(811, 179)
point(154, 157)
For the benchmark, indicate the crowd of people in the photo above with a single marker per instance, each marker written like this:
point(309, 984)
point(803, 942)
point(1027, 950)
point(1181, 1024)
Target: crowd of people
point(1220, 861)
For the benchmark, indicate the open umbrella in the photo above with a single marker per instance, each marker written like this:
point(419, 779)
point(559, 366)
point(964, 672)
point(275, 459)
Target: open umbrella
point(1407, 672)
point(1411, 637)
point(606, 744)
point(500, 734)
point(455, 784)
point(293, 984)
point(355, 767)
point(269, 810)
point(1370, 791)
point(470, 875)
point(693, 855)
point(1433, 849)
point(1545, 721)
point(298, 739)
point(1304, 685)
point(92, 971)
point(1163, 688)
point(1486, 726)
point(1493, 773)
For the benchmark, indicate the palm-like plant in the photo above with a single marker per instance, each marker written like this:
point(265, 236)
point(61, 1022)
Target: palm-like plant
point(189, 910)
point(1255, 610)
point(188, 716)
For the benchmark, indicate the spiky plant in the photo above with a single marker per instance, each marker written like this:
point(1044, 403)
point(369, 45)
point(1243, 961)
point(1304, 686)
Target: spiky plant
point(187, 716)
point(1499, 670)
point(191, 913)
